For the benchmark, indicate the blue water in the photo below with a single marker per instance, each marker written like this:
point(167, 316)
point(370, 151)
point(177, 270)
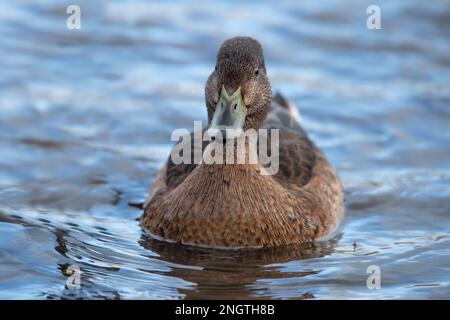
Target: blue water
point(85, 123)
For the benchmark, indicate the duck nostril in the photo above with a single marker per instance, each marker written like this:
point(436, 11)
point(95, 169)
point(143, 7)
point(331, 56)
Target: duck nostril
point(235, 106)
point(222, 136)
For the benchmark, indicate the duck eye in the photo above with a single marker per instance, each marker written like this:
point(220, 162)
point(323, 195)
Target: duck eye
point(215, 68)
point(256, 72)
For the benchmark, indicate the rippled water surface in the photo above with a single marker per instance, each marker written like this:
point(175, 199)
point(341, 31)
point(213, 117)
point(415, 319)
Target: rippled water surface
point(86, 118)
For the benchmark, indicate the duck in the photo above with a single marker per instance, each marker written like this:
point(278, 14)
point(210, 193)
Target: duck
point(236, 205)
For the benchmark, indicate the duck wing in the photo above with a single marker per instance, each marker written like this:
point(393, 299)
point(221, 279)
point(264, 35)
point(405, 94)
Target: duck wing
point(297, 154)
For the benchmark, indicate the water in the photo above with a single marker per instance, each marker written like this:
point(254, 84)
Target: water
point(85, 124)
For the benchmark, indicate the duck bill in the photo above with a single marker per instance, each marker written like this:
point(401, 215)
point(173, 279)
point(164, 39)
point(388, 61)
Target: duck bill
point(230, 114)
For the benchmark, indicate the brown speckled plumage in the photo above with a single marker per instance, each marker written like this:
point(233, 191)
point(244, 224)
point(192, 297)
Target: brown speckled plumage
point(233, 205)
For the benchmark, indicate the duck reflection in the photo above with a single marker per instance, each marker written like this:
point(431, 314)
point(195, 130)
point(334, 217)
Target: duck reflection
point(237, 274)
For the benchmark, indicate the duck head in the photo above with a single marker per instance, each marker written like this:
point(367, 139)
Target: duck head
point(238, 92)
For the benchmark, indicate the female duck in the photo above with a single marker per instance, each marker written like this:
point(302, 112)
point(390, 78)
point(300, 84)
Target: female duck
point(234, 205)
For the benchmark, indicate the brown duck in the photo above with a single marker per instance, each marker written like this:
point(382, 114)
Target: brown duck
point(235, 205)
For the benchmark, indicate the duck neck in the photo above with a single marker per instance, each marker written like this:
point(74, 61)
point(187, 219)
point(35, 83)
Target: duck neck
point(249, 150)
point(240, 151)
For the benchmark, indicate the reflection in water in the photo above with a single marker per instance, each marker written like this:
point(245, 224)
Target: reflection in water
point(86, 118)
point(232, 273)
